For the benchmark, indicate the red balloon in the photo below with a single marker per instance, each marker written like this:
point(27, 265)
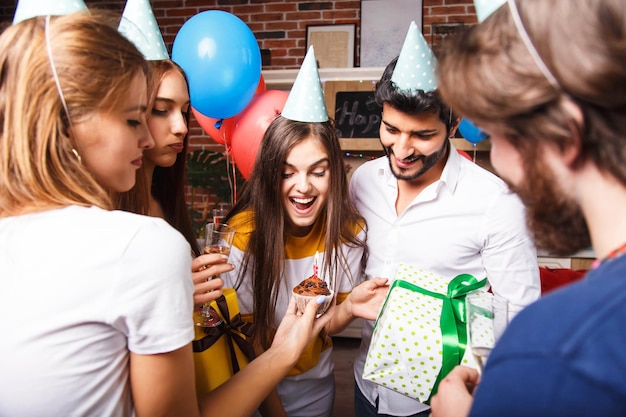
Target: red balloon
point(208, 124)
point(261, 87)
point(227, 128)
point(464, 154)
point(251, 125)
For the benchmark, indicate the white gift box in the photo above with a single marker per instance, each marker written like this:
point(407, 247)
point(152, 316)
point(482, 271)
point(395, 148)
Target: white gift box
point(407, 352)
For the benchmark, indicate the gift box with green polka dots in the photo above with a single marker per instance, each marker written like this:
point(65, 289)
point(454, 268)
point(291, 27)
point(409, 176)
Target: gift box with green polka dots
point(406, 350)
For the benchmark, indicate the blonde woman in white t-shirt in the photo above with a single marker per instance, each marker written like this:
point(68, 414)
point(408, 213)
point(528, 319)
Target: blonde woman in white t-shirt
point(95, 317)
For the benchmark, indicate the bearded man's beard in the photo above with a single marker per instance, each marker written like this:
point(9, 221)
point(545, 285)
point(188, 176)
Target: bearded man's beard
point(556, 221)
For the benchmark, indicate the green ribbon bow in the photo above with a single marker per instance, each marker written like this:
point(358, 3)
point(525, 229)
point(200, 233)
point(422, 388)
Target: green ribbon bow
point(453, 319)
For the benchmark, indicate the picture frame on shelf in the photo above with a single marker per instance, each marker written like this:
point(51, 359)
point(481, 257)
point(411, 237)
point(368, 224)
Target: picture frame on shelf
point(333, 44)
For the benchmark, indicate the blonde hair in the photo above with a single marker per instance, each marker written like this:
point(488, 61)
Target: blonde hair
point(95, 67)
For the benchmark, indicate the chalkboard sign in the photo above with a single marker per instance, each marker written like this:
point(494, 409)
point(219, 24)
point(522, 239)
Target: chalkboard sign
point(357, 115)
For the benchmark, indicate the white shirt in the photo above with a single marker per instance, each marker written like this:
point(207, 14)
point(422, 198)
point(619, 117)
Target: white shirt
point(466, 222)
point(80, 288)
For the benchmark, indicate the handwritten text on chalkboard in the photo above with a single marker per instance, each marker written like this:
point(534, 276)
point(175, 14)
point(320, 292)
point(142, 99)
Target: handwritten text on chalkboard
point(356, 114)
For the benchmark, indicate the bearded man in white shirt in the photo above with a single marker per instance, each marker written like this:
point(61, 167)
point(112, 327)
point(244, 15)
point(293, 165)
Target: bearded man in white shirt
point(427, 205)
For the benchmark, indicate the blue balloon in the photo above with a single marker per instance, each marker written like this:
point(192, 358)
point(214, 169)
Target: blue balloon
point(222, 60)
point(471, 132)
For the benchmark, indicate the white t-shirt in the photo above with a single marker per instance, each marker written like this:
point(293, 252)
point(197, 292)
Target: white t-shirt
point(80, 288)
point(466, 222)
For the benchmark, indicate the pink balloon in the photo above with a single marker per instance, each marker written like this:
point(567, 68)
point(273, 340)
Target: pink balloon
point(251, 125)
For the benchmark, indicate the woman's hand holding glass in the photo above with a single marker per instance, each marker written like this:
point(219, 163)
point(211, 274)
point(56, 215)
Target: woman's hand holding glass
point(218, 241)
point(204, 268)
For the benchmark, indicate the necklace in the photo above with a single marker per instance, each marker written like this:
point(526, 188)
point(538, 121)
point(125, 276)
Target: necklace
point(615, 253)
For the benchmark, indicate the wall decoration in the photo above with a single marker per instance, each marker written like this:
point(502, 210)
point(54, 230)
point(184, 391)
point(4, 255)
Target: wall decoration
point(384, 24)
point(334, 44)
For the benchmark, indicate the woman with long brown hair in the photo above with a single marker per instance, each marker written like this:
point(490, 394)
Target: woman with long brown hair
point(295, 207)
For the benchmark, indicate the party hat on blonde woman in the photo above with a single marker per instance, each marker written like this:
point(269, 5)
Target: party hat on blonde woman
point(27, 9)
point(139, 26)
point(484, 8)
point(306, 100)
point(415, 69)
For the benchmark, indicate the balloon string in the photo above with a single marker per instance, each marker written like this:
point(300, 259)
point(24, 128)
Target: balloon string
point(234, 185)
point(474, 146)
point(228, 175)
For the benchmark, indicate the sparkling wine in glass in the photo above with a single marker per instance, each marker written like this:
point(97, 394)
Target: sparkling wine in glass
point(480, 326)
point(218, 239)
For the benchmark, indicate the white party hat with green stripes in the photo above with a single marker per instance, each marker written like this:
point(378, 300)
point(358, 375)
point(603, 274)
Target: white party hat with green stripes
point(27, 9)
point(306, 100)
point(484, 8)
point(139, 25)
point(415, 69)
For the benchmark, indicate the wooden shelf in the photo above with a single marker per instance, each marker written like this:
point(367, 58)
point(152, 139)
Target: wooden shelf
point(365, 145)
point(464, 145)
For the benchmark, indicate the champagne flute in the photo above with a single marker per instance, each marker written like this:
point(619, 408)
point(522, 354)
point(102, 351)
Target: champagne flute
point(218, 239)
point(480, 329)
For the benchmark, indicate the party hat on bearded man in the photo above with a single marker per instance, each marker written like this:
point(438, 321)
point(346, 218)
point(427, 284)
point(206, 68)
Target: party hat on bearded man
point(306, 100)
point(484, 8)
point(415, 69)
point(139, 26)
point(27, 9)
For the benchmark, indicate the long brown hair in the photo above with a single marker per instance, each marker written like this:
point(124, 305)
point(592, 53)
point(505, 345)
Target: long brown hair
point(265, 255)
point(95, 66)
point(168, 183)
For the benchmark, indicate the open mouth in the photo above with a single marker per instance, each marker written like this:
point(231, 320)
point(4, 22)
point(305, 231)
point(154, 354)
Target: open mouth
point(407, 162)
point(302, 203)
point(411, 159)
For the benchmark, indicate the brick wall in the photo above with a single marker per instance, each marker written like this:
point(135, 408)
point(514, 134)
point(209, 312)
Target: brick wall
point(279, 26)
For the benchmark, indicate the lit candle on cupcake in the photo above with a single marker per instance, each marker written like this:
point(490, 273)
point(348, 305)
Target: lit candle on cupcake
point(311, 288)
point(315, 267)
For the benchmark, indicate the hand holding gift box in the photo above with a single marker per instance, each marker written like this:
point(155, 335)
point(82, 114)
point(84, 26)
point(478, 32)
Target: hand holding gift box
point(420, 333)
point(221, 351)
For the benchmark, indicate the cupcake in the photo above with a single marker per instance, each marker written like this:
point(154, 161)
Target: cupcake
point(310, 289)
